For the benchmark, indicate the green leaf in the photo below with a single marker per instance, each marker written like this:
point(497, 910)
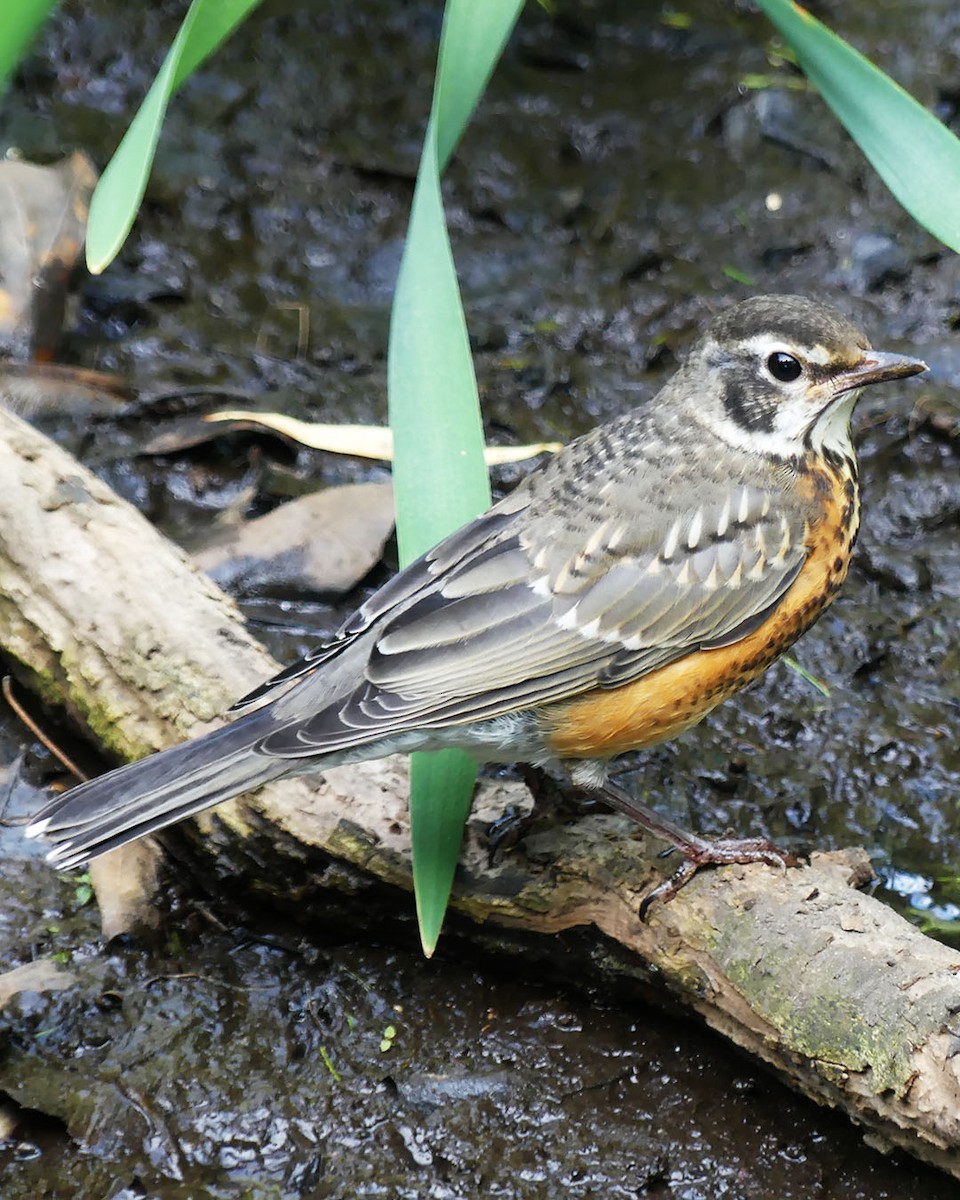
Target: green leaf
point(117, 198)
point(821, 687)
point(21, 20)
point(440, 480)
point(739, 276)
point(328, 1063)
point(916, 156)
point(472, 41)
point(441, 792)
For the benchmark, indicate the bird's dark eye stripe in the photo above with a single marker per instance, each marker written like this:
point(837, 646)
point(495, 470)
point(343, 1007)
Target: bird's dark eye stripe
point(784, 367)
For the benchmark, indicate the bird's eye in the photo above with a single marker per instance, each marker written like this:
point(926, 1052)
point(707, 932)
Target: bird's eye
point(784, 367)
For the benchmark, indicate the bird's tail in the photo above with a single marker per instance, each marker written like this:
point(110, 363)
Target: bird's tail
point(156, 791)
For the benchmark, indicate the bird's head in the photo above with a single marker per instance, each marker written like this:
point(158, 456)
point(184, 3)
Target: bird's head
point(782, 374)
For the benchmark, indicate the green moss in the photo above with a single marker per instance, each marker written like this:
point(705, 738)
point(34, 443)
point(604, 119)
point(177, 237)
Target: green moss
point(812, 999)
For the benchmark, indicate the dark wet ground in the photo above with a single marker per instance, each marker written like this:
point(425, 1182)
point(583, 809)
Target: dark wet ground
point(617, 182)
point(277, 1079)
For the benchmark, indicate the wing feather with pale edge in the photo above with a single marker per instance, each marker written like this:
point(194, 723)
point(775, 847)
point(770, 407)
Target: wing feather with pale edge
point(524, 607)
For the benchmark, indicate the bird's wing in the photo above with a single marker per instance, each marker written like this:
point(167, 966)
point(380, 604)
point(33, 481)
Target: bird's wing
point(538, 601)
point(416, 581)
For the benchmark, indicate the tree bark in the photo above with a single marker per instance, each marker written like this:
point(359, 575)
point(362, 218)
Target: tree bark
point(845, 1000)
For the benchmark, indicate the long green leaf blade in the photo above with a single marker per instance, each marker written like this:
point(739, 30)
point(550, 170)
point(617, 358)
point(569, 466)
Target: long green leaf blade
point(18, 27)
point(474, 36)
point(916, 156)
point(117, 198)
point(441, 792)
point(440, 480)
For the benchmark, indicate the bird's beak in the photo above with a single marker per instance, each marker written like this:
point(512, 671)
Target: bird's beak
point(876, 366)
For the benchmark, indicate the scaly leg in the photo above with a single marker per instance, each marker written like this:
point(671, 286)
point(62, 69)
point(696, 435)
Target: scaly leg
point(697, 852)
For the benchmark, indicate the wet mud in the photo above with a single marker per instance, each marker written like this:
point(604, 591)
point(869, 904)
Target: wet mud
point(624, 178)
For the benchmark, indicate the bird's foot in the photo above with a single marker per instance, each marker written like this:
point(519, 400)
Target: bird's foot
point(506, 830)
point(698, 852)
point(549, 804)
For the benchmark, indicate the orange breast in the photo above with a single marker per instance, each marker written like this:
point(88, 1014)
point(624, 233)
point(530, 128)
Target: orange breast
point(660, 705)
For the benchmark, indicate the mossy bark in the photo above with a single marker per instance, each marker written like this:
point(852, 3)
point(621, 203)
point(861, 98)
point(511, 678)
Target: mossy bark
point(845, 1000)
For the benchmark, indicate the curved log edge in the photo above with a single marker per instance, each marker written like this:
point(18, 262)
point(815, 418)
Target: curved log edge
point(844, 999)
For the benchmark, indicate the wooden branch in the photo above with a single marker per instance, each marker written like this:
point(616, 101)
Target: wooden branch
point(844, 999)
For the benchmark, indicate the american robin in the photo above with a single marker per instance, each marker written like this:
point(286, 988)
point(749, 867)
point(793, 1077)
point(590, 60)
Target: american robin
point(647, 572)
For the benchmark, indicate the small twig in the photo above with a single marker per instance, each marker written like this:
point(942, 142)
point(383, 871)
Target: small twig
point(303, 328)
point(30, 723)
point(210, 979)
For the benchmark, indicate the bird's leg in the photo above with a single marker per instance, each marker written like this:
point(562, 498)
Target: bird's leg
point(697, 852)
point(514, 824)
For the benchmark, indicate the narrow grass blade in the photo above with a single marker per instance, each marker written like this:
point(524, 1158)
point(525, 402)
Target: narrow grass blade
point(439, 474)
point(821, 687)
point(916, 156)
point(118, 194)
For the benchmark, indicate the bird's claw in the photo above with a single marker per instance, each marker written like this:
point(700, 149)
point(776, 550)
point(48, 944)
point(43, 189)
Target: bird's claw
point(721, 852)
point(505, 831)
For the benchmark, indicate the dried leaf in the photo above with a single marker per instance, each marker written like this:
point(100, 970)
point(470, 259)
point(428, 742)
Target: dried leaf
point(42, 975)
point(184, 433)
point(38, 390)
point(360, 441)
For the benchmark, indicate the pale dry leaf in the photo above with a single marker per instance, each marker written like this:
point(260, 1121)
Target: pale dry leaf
point(41, 975)
point(363, 441)
point(35, 391)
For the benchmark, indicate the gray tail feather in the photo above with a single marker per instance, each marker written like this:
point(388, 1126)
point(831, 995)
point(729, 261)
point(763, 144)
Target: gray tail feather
point(153, 792)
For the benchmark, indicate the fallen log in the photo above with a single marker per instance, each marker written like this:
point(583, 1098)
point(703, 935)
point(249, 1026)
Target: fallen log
point(846, 1001)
